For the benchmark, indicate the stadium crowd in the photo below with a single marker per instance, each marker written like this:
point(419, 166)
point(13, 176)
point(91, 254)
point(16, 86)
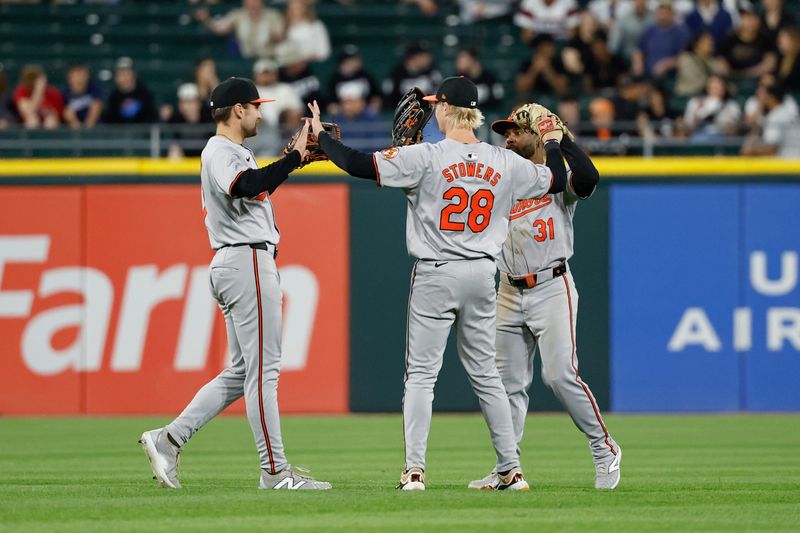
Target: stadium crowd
point(704, 70)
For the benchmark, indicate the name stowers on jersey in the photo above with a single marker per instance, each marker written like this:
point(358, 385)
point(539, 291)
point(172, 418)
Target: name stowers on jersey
point(459, 195)
point(233, 220)
point(541, 233)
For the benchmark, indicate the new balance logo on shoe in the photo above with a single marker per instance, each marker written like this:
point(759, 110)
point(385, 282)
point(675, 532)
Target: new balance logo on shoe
point(614, 466)
point(288, 483)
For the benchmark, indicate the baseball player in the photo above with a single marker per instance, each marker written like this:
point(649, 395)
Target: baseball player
point(244, 280)
point(459, 193)
point(537, 302)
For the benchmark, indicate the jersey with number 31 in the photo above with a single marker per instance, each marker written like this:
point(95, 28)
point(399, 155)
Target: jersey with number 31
point(459, 195)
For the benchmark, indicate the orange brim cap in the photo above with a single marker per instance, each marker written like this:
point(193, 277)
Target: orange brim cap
point(500, 126)
point(260, 100)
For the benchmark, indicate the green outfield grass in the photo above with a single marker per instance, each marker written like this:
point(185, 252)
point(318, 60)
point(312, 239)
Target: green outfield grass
point(680, 473)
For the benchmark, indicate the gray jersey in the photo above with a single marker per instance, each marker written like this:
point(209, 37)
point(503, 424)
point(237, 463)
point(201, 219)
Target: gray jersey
point(541, 234)
point(459, 195)
point(233, 220)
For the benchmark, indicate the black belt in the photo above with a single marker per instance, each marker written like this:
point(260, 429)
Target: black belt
point(256, 246)
point(529, 281)
point(459, 259)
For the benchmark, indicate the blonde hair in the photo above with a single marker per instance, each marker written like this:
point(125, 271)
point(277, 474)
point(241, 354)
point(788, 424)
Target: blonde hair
point(464, 118)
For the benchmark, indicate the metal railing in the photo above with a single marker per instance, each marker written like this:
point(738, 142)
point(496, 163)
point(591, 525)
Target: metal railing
point(183, 140)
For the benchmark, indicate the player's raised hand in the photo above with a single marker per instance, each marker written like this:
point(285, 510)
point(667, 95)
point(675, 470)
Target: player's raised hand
point(301, 140)
point(316, 121)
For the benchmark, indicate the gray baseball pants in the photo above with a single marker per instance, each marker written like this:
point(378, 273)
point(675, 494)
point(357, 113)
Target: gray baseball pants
point(246, 284)
point(545, 317)
point(460, 293)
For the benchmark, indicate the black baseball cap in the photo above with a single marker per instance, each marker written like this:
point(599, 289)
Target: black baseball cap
point(458, 91)
point(235, 91)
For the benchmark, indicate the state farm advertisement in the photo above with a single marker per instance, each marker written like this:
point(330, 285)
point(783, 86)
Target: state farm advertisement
point(105, 306)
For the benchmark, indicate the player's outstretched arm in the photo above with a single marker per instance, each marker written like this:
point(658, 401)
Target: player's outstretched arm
point(355, 163)
point(584, 174)
point(254, 181)
point(554, 159)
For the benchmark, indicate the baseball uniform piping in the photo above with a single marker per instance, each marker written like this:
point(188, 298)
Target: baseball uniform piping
point(405, 372)
point(234, 181)
point(377, 173)
point(261, 364)
point(577, 375)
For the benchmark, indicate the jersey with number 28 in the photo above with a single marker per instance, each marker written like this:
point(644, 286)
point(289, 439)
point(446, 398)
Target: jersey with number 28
point(459, 195)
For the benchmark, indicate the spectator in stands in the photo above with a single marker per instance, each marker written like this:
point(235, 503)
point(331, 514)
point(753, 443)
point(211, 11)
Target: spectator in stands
point(287, 104)
point(605, 69)
point(305, 36)
point(629, 100)
point(428, 7)
point(83, 98)
point(569, 109)
point(606, 12)
point(362, 128)
point(788, 70)
point(777, 133)
point(39, 105)
point(556, 18)
point(206, 78)
point(416, 70)
point(267, 80)
point(350, 73)
point(714, 114)
point(710, 16)
point(602, 138)
point(660, 44)
point(471, 11)
point(775, 18)
point(601, 116)
point(754, 113)
point(131, 102)
point(490, 91)
point(257, 28)
point(696, 64)
point(189, 135)
point(304, 82)
point(656, 119)
point(748, 51)
point(543, 72)
point(576, 55)
point(626, 32)
point(6, 114)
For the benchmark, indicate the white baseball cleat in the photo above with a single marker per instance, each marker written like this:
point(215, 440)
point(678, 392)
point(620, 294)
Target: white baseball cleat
point(607, 473)
point(490, 482)
point(513, 480)
point(290, 478)
point(412, 479)
point(163, 457)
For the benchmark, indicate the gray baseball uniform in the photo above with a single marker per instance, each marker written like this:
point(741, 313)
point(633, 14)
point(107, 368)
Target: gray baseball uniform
point(543, 314)
point(459, 196)
point(245, 282)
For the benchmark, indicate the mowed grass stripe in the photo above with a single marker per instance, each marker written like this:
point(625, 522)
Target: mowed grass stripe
point(680, 473)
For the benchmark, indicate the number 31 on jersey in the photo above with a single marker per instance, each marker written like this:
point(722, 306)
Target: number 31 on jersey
point(544, 230)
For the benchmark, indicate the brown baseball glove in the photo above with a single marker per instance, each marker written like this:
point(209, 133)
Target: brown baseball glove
point(315, 152)
point(539, 120)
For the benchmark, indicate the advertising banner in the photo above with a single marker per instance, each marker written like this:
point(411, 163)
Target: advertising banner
point(705, 306)
point(105, 306)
